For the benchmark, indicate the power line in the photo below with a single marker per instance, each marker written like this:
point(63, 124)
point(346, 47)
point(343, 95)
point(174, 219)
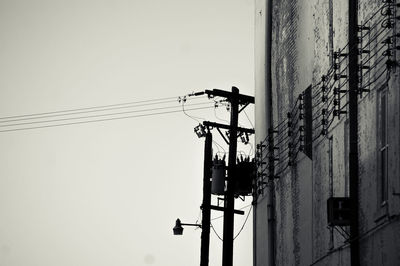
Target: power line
point(93, 116)
point(156, 101)
point(215, 232)
point(66, 113)
point(103, 120)
point(245, 221)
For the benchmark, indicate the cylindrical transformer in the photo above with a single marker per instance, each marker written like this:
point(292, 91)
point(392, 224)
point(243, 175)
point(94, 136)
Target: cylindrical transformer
point(218, 177)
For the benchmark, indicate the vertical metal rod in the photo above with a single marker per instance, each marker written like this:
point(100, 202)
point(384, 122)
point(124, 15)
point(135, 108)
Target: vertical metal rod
point(353, 131)
point(206, 211)
point(227, 249)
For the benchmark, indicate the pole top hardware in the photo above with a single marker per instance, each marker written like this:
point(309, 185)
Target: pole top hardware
point(243, 99)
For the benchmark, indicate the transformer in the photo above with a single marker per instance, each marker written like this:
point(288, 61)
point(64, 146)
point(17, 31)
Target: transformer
point(218, 176)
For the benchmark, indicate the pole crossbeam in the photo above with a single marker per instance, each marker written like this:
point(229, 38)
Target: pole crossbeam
point(218, 125)
point(241, 98)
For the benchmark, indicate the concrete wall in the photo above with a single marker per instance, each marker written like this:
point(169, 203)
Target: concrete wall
point(305, 34)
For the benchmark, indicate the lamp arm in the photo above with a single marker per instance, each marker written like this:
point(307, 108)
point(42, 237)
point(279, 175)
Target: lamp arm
point(198, 225)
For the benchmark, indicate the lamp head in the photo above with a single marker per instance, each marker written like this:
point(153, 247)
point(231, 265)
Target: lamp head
point(178, 229)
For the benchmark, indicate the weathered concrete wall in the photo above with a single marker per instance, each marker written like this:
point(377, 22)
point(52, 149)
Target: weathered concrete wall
point(305, 35)
point(380, 246)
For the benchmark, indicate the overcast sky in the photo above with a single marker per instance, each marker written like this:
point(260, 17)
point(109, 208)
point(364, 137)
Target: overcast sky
point(108, 193)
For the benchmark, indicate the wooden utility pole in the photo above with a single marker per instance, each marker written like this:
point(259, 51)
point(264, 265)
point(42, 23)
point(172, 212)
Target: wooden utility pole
point(206, 210)
point(227, 249)
point(235, 100)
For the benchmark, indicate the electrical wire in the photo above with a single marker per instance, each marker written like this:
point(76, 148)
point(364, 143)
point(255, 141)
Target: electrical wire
point(216, 116)
point(374, 54)
point(197, 119)
point(136, 103)
point(102, 120)
point(248, 118)
point(198, 217)
point(375, 80)
point(245, 221)
point(375, 37)
point(92, 116)
point(215, 232)
point(351, 49)
point(221, 216)
point(364, 234)
point(374, 14)
point(329, 83)
point(70, 112)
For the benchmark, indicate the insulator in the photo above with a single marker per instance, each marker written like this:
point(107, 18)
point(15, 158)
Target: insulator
point(361, 28)
point(335, 55)
point(342, 54)
point(387, 24)
point(361, 67)
point(388, 40)
point(272, 159)
point(260, 146)
point(387, 52)
point(338, 112)
point(387, 12)
point(271, 131)
point(336, 66)
point(391, 63)
point(261, 163)
point(363, 90)
point(362, 51)
point(337, 91)
point(337, 76)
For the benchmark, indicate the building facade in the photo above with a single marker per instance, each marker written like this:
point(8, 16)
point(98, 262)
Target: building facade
point(327, 127)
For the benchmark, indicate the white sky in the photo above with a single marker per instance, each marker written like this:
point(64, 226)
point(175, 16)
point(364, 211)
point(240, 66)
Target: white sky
point(108, 193)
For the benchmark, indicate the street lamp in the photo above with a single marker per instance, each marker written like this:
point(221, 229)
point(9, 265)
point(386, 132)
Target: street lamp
point(178, 229)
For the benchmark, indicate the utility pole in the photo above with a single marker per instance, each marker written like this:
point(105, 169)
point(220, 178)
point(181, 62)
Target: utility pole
point(235, 100)
point(206, 210)
point(227, 249)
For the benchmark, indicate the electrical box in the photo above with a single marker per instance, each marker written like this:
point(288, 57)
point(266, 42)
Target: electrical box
point(218, 177)
point(339, 211)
